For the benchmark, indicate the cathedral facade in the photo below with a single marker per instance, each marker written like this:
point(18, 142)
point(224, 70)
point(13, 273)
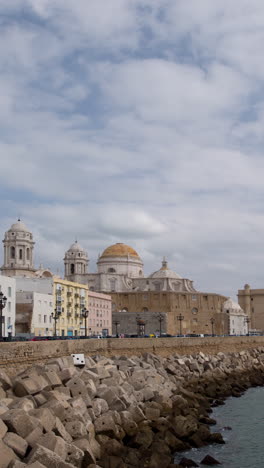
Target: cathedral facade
point(121, 270)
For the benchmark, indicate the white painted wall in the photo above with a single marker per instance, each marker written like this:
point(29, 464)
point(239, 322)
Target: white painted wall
point(8, 288)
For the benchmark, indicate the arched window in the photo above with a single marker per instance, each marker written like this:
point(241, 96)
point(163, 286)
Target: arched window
point(195, 311)
point(145, 309)
point(20, 254)
point(111, 270)
point(112, 285)
point(12, 252)
point(157, 286)
point(72, 268)
point(27, 254)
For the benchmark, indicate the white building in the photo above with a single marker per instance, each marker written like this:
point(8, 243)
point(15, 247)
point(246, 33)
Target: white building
point(8, 288)
point(33, 313)
point(238, 320)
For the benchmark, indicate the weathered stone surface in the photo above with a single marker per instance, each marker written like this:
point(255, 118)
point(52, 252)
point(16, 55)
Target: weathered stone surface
point(60, 430)
point(20, 422)
point(47, 458)
point(5, 380)
point(45, 416)
point(3, 429)
point(16, 443)
point(76, 429)
point(7, 455)
point(54, 443)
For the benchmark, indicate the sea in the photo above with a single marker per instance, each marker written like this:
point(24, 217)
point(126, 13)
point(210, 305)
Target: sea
point(244, 447)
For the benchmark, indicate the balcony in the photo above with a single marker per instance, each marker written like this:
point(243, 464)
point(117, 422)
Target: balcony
point(77, 295)
point(69, 293)
point(69, 314)
point(69, 304)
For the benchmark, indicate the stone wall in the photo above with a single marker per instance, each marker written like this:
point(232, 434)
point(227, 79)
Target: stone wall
point(16, 356)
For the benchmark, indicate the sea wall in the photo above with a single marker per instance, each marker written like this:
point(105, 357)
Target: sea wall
point(18, 355)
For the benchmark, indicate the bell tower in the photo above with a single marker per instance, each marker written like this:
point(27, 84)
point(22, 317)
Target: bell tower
point(18, 251)
point(76, 263)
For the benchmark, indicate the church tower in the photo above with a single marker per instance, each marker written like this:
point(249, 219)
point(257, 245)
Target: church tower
point(76, 263)
point(18, 251)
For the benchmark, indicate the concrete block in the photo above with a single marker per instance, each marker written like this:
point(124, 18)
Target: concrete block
point(76, 429)
point(16, 443)
point(5, 381)
point(16, 464)
point(7, 455)
point(57, 408)
point(35, 464)
point(78, 359)
point(54, 443)
point(3, 429)
point(74, 455)
point(52, 378)
point(66, 374)
point(60, 430)
point(45, 416)
point(20, 422)
point(24, 403)
point(2, 393)
point(47, 458)
point(152, 414)
point(33, 437)
point(105, 424)
point(99, 406)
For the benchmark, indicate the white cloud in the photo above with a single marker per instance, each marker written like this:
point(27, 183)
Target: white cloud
point(138, 122)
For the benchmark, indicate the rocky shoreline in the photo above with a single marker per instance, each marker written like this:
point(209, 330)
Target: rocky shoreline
point(119, 412)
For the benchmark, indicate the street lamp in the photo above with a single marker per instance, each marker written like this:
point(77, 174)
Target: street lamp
point(180, 318)
point(116, 323)
point(160, 320)
point(55, 315)
point(85, 314)
point(212, 320)
point(3, 300)
point(246, 321)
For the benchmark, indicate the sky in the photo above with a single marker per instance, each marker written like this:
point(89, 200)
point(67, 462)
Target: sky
point(138, 122)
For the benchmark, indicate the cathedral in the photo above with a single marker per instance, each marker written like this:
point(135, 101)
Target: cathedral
point(120, 269)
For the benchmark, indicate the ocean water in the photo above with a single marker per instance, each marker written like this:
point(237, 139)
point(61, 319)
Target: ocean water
point(244, 447)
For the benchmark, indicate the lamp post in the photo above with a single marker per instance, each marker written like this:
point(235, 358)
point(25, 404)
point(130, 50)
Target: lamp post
point(3, 300)
point(180, 318)
point(85, 314)
point(246, 321)
point(160, 319)
point(116, 323)
point(212, 320)
point(55, 315)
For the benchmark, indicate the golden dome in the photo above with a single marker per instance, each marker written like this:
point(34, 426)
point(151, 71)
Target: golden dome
point(119, 250)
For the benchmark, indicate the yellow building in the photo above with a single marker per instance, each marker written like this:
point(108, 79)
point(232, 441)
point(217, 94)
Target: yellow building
point(69, 300)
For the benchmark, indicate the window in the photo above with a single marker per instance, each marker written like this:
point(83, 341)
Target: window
point(157, 286)
point(27, 254)
point(12, 252)
point(8, 320)
point(145, 309)
point(72, 268)
point(45, 318)
point(111, 270)
point(194, 320)
point(20, 254)
point(9, 291)
point(194, 297)
point(39, 317)
point(194, 310)
point(9, 307)
point(112, 285)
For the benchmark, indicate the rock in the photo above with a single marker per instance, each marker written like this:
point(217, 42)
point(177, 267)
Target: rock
point(3, 429)
point(216, 438)
point(54, 443)
point(76, 429)
point(208, 460)
point(5, 380)
point(184, 426)
point(187, 462)
point(20, 422)
point(74, 455)
point(45, 416)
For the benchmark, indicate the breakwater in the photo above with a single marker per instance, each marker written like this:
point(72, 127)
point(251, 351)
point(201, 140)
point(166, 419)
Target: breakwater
point(18, 355)
point(119, 411)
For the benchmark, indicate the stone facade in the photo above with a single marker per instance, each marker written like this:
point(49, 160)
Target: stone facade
point(145, 323)
point(252, 302)
point(8, 288)
point(196, 308)
point(238, 320)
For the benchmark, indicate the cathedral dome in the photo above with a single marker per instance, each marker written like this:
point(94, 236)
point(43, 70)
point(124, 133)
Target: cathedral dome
point(76, 247)
point(165, 272)
point(119, 250)
point(232, 305)
point(19, 227)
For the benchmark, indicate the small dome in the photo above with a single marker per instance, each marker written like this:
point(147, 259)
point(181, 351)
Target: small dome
point(119, 250)
point(165, 272)
point(230, 304)
point(19, 227)
point(76, 247)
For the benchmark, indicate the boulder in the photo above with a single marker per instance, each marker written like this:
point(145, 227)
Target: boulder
point(208, 460)
point(16, 443)
point(7, 455)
